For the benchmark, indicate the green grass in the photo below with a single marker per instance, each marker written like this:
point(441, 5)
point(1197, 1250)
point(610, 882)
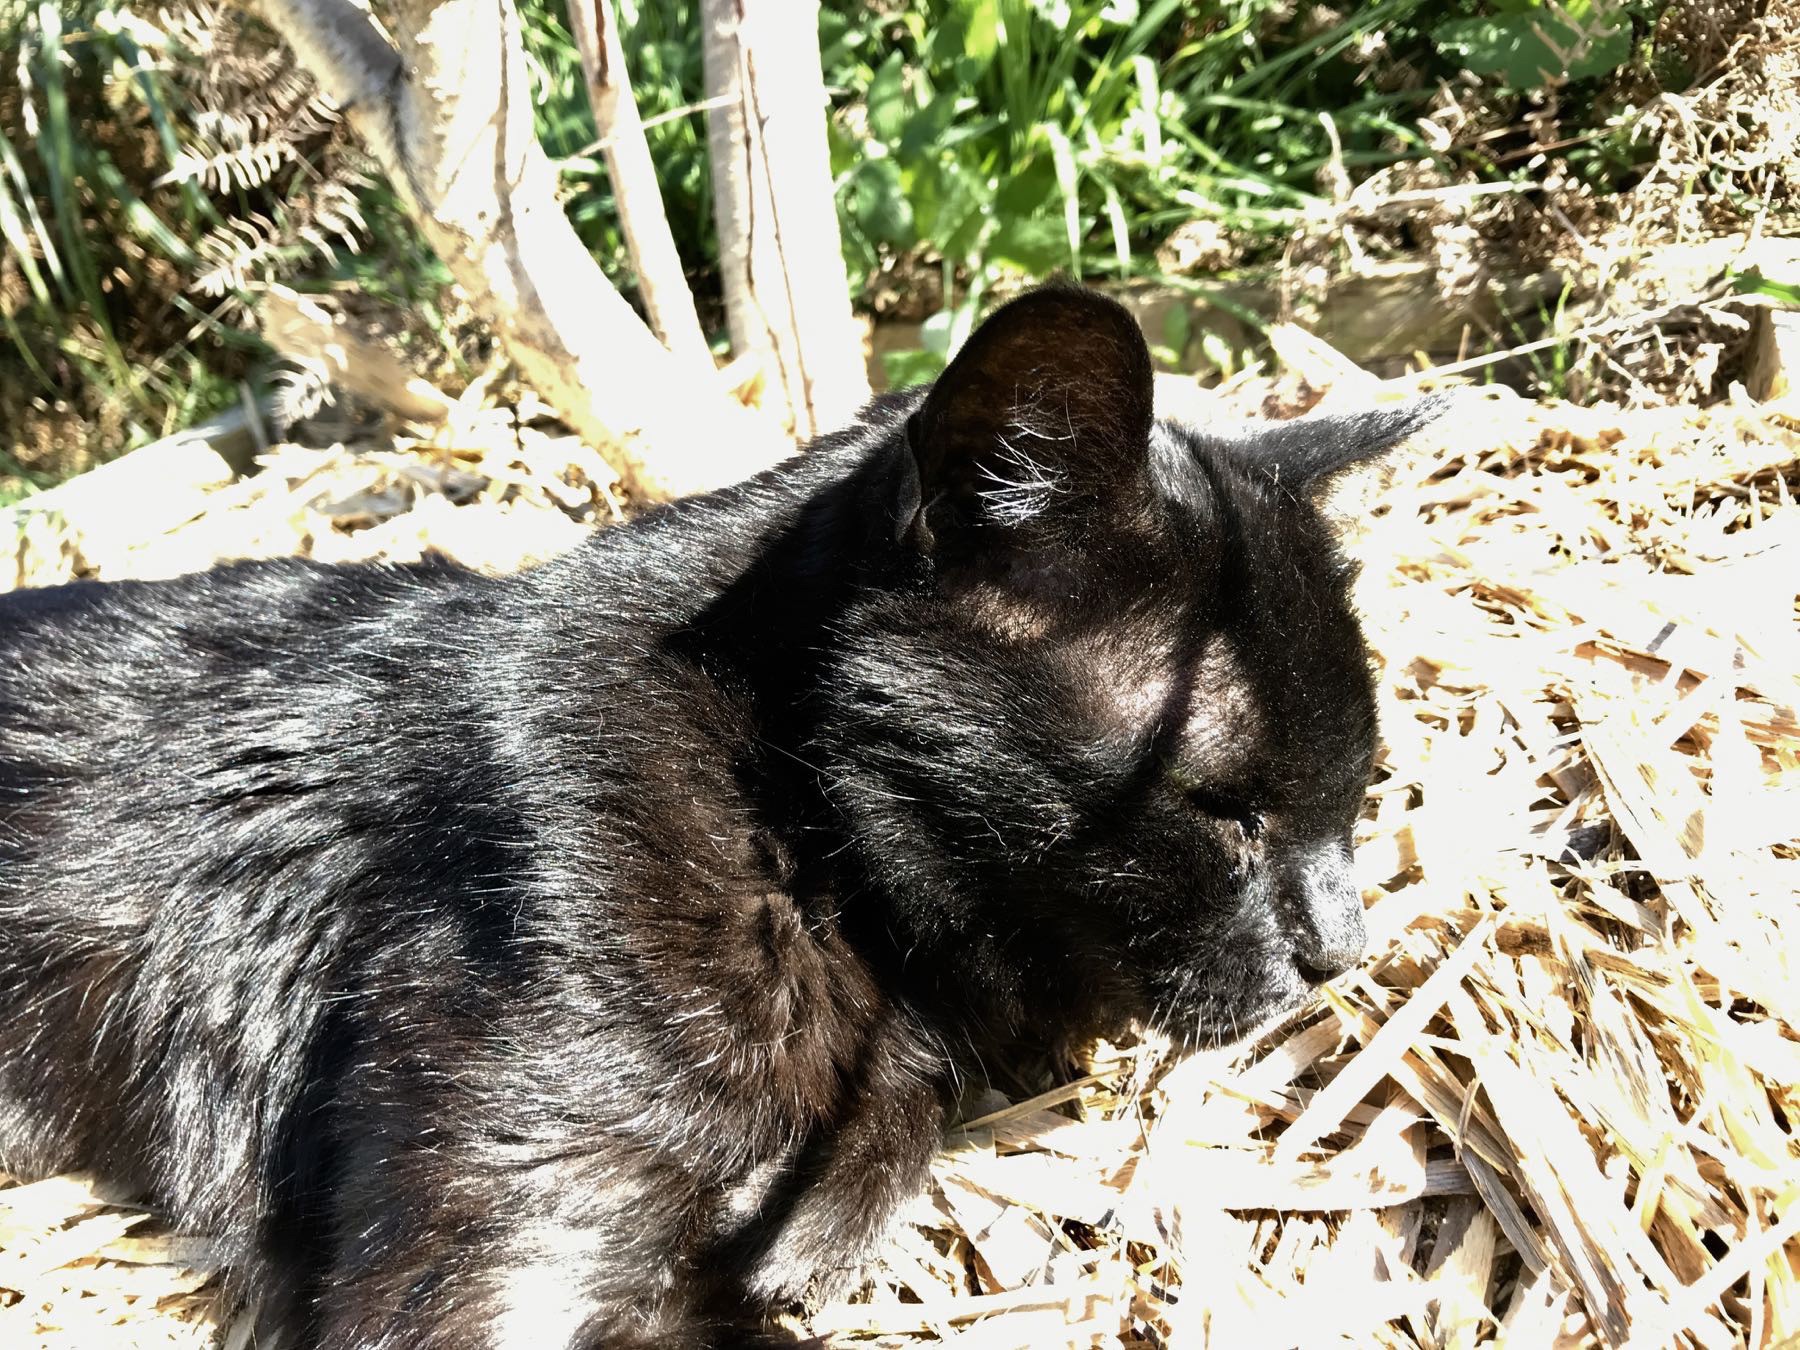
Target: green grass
point(99, 323)
point(988, 139)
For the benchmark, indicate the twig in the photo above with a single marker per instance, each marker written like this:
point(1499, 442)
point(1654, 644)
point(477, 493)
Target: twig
point(1624, 326)
point(673, 114)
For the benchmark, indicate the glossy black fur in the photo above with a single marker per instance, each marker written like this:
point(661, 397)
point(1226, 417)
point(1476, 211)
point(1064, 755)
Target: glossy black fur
point(581, 958)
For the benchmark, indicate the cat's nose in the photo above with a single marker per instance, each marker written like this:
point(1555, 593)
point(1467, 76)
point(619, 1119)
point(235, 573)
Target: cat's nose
point(1325, 959)
point(1330, 935)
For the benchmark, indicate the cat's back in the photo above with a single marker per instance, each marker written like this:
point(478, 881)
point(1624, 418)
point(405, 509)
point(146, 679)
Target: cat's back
point(284, 845)
point(189, 770)
point(240, 804)
point(122, 699)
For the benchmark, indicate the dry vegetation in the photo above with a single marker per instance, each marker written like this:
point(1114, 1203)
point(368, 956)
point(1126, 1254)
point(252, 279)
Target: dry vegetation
point(1558, 1106)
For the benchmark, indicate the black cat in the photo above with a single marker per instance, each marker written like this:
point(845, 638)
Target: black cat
point(580, 958)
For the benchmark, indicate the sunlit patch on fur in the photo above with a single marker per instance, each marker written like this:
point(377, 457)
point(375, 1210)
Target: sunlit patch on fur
point(746, 1199)
point(543, 1299)
point(1137, 699)
point(1225, 720)
point(1130, 683)
point(1007, 614)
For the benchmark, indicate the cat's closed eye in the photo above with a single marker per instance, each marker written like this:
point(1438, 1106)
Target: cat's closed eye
point(1228, 807)
point(1225, 802)
point(1228, 810)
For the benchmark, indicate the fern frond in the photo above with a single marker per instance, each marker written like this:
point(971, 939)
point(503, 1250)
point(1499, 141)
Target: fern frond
point(334, 210)
point(246, 167)
point(257, 123)
point(301, 386)
point(237, 253)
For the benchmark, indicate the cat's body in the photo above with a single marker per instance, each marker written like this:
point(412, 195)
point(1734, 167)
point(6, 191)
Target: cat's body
point(581, 958)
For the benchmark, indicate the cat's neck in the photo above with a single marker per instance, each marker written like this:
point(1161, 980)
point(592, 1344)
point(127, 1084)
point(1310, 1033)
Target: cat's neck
point(759, 578)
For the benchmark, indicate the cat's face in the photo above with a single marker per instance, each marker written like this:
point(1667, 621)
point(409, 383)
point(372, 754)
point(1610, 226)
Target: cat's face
point(1107, 760)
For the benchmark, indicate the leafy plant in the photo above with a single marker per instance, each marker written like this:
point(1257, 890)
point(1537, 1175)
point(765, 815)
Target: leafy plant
point(1530, 44)
point(1004, 132)
point(151, 176)
point(1028, 136)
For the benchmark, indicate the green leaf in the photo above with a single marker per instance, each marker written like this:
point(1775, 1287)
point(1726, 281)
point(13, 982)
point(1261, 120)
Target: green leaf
point(1541, 46)
point(965, 35)
point(1062, 156)
point(926, 128)
point(981, 30)
point(970, 129)
point(904, 368)
point(847, 151)
point(1032, 244)
point(887, 100)
point(57, 144)
point(964, 243)
point(1753, 282)
point(1030, 189)
point(145, 223)
point(945, 332)
point(935, 333)
point(950, 205)
point(1178, 328)
point(14, 231)
point(1143, 69)
point(1219, 352)
point(877, 200)
point(1121, 231)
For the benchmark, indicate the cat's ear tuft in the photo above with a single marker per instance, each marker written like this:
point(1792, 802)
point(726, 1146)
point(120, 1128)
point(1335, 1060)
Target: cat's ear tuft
point(1049, 401)
point(1309, 451)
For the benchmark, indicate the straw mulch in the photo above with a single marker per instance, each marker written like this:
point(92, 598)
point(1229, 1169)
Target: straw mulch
point(1557, 1107)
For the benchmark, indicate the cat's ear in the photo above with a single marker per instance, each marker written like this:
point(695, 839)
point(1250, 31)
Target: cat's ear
point(1047, 406)
point(1307, 452)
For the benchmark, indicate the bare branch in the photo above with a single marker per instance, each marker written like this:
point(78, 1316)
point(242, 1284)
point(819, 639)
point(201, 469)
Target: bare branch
point(661, 281)
point(779, 246)
point(446, 109)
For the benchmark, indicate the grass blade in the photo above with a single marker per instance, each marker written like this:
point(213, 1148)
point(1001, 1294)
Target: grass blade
point(46, 249)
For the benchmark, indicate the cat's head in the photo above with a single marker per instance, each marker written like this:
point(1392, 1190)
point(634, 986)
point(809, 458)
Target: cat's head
point(1102, 755)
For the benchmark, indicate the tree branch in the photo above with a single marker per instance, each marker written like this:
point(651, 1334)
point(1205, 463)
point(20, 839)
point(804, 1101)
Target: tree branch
point(445, 107)
point(661, 280)
point(776, 215)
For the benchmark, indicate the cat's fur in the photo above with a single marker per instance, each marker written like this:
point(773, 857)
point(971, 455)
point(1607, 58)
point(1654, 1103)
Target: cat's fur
point(580, 958)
